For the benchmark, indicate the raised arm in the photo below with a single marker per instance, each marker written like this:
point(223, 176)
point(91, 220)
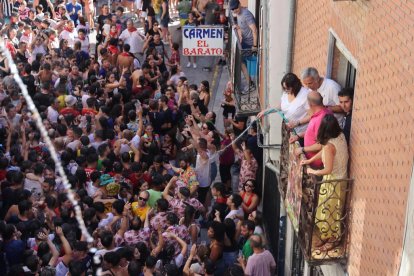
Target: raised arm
point(125, 220)
point(193, 253)
point(182, 243)
point(55, 253)
point(66, 246)
point(165, 193)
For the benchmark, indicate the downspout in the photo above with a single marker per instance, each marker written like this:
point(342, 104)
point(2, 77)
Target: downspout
point(291, 35)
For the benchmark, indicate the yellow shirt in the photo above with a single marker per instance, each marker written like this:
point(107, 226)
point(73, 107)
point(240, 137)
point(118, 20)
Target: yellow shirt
point(140, 212)
point(61, 100)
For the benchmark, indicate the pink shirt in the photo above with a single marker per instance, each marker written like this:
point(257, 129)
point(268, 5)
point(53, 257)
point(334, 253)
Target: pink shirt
point(260, 264)
point(311, 133)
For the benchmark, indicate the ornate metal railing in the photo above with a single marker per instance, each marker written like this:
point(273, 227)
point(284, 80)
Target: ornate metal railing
point(323, 223)
point(318, 209)
point(239, 60)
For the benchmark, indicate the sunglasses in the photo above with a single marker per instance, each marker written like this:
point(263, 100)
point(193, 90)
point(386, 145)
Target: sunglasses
point(249, 185)
point(143, 199)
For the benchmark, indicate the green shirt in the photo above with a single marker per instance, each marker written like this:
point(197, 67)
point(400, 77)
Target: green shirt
point(247, 250)
point(154, 196)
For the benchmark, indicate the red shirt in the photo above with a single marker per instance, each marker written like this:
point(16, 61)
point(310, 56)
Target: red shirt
point(69, 111)
point(89, 111)
point(175, 57)
point(227, 158)
point(88, 172)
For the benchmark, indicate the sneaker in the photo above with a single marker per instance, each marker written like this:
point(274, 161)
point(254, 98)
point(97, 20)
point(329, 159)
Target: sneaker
point(252, 86)
point(194, 65)
point(189, 65)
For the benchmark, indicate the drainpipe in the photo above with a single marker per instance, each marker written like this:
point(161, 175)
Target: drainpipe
point(291, 32)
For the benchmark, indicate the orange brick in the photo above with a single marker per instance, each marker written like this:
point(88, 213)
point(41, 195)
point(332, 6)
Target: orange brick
point(379, 35)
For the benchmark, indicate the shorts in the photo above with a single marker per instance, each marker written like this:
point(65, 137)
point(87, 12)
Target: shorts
point(246, 53)
point(229, 110)
point(164, 22)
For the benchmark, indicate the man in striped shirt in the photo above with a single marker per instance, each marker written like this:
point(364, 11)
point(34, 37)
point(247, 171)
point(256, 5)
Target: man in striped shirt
point(6, 9)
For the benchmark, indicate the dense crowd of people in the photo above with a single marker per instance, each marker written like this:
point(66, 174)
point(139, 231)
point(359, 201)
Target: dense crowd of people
point(138, 143)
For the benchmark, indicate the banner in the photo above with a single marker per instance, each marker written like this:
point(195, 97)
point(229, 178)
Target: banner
point(293, 197)
point(203, 41)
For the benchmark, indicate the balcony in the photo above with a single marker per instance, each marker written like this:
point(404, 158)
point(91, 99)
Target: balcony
point(318, 210)
point(247, 100)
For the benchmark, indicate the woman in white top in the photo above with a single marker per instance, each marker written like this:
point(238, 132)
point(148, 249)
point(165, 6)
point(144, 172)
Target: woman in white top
point(294, 101)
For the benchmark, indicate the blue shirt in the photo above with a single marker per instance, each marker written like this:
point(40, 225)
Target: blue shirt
point(77, 7)
point(14, 251)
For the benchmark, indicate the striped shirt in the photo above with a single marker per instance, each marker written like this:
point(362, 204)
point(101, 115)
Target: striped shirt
point(7, 7)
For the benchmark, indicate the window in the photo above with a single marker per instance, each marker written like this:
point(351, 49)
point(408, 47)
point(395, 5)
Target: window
point(342, 66)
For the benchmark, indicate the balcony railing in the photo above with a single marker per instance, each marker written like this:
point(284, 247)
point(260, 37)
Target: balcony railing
point(318, 209)
point(239, 60)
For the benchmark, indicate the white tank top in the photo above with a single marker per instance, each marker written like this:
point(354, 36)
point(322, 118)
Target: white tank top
point(202, 170)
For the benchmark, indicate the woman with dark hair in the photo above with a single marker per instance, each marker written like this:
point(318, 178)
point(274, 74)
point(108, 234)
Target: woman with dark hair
point(64, 50)
point(257, 218)
point(334, 155)
point(250, 199)
point(216, 232)
point(169, 146)
point(231, 248)
point(294, 101)
point(204, 93)
point(149, 145)
point(189, 221)
point(175, 74)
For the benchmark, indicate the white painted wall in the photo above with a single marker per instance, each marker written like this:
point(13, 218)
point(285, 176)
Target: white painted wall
point(275, 42)
point(276, 54)
point(252, 6)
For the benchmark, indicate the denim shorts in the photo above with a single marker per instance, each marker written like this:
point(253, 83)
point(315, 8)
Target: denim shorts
point(245, 50)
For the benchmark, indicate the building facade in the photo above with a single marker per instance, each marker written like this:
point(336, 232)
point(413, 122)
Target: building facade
point(368, 45)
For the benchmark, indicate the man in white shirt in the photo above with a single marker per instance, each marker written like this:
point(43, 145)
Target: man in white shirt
point(69, 33)
point(328, 88)
point(52, 111)
point(84, 40)
point(27, 35)
point(234, 203)
point(202, 168)
point(132, 37)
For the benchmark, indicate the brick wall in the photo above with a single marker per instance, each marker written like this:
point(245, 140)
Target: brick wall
point(380, 35)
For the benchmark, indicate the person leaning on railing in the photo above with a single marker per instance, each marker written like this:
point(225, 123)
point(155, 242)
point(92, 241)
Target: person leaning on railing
point(247, 32)
point(311, 145)
point(334, 155)
point(293, 103)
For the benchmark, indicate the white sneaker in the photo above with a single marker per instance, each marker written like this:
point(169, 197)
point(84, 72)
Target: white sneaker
point(189, 65)
point(194, 65)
